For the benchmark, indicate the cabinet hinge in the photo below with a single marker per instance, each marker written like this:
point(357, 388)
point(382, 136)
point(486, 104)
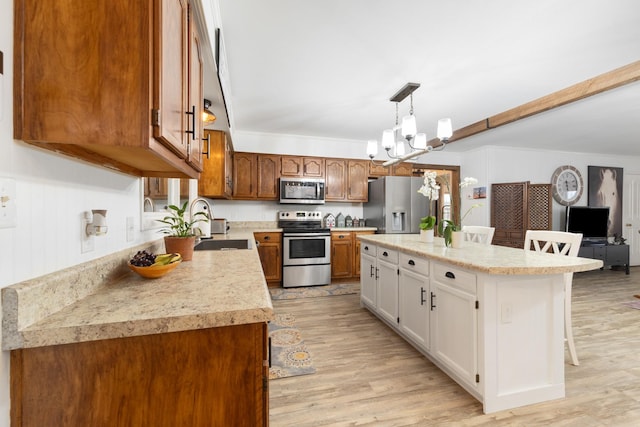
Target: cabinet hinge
point(155, 117)
point(477, 304)
point(477, 378)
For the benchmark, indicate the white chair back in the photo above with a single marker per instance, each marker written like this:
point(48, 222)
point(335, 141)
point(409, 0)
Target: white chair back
point(477, 233)
point(557, 242)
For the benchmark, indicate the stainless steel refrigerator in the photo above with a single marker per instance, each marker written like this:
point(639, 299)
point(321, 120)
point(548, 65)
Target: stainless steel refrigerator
point(394, 205)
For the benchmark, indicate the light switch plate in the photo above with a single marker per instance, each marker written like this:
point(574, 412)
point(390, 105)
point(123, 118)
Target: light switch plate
point(8, 210)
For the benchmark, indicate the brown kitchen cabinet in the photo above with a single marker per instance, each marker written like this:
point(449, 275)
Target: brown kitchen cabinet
point(356, 251)
point(346, 180)
point(296, 166)
point(270, 251)
point(402, 169)
point(216, 179)
point(119, 95)
point(158, 188)
point(255, 176)
point(341, 255)
point(204, 377)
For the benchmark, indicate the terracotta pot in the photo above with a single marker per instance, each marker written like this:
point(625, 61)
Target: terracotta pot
point(180, 245)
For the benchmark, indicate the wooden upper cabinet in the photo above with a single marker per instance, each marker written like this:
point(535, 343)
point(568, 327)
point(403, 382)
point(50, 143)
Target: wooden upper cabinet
point(268, 174)
point(402, 169)
point(215, 179)
point(335, 180)
point(295, 166)
point(196, 97)
point(357, 174)
point(377, 170)
point(245, 175)
point(116, 96)
point(255, 176)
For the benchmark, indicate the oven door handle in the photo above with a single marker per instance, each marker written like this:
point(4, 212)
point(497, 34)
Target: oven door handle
point(306, 235)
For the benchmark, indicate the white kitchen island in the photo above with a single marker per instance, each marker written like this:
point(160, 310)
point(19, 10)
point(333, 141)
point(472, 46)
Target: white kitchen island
point(491, 317)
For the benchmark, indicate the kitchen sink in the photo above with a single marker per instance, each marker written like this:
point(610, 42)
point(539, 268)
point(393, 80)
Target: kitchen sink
point(223, 245)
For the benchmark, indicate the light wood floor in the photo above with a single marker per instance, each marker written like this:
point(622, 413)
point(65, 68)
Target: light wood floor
point(367, 375)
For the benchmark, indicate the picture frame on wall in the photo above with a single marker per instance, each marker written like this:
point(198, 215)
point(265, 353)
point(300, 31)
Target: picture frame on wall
point(605, 189)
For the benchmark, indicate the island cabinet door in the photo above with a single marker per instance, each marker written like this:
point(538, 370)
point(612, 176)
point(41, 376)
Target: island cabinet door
point(414, 300)
point(387, 291)
point(368, 281)
point(454, 322)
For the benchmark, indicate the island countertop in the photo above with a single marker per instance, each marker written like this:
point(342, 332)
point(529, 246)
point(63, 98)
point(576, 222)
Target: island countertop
point(216, 288)
point(491, 259)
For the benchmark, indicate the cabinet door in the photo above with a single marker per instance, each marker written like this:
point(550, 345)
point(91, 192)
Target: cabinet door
point(357, 190)
point(268, 174)
point(617, 255)
point(270, 251)
point(454, 323)
point(368, 281)
point(414, 307)
point(388, 290)
point(341, 255)
point(213, 181)
point(313, 167)
point(196, 96)
point(245, 181)
point(403, 169)
point(335, 180)
point(377, 170)
point(291, 166)
point(171, 78)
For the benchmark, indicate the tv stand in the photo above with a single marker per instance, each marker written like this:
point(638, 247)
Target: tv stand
point(609, 254)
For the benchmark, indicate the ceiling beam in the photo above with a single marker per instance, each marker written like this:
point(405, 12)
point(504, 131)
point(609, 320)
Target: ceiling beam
point(610, 80)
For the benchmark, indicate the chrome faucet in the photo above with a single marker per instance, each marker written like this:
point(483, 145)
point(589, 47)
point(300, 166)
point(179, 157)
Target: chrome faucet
point(208, 213)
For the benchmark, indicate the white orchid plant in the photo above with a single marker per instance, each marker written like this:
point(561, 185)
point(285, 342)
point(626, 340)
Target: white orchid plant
point(431, 190)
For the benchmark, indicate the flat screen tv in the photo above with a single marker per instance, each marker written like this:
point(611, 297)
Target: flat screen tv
point(591, 221)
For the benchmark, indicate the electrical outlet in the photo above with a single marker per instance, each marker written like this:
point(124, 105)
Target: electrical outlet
point(507, 313)
point(130, 230)
point(87, 242)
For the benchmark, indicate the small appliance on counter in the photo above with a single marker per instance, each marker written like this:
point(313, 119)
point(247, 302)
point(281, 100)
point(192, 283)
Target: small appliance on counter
point(219, 226)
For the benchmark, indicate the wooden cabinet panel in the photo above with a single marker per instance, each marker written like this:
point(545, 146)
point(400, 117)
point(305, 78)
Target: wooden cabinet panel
point(196, 96)
point(335, 180)
point(197, 378)
point(268, 174)
point(126, 112)
point(245, 177)
point(357, 190)
point(215, 179)
point(403, 169)
point(296, 166)
point(313, 167)
point(158, 188)
point(341, 255)
point(270, 250)
point(377, 170)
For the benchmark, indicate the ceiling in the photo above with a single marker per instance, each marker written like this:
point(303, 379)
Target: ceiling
point(328, 68)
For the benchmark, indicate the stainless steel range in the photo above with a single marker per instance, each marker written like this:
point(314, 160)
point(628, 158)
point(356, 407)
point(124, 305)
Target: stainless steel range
point(306, 249)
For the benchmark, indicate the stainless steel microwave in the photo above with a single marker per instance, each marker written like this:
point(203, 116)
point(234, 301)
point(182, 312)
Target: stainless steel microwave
point(309, 191)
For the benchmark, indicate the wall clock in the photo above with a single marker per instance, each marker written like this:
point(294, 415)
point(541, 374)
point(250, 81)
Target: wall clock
point(567, 185)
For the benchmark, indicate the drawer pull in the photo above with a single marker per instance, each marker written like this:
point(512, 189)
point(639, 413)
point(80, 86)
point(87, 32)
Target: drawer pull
point(422, 291)
point(341, 236)
point(366, 248)
point(450, 275)
point(267, 237)
point(385, 253)
point(433, 297)
point(411, 262)
point(371, 271)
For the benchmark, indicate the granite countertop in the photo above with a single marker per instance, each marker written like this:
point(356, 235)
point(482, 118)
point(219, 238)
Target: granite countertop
point(489, 259)
point(216, 288)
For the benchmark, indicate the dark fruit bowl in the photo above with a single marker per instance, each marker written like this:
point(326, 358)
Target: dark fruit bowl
point(154, 271)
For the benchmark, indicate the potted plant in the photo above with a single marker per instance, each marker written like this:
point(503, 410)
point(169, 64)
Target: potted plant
point(180, 237)
point(426, 228)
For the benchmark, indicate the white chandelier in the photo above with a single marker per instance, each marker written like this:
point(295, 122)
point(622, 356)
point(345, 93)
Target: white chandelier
point(394, 146)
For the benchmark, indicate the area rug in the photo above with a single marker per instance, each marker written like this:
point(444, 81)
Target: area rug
point(315, 291)
point(289, 355)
